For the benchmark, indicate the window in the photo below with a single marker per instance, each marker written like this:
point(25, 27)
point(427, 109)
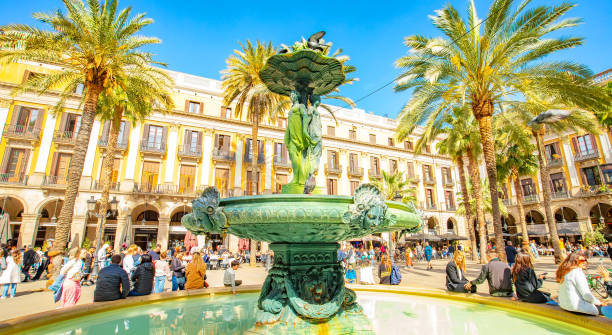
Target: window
point(354, 185)
point(391, 142)
point(446, 174)
point(280, 153)
point(192, 141)
point(249, 183)
point(15, 165)
point(187, 179)
point(282, 123)
point(332, 159)
point(353, 134)
point(429, 197)
point(248, 150)
point(194, 107)
point(584, 145)
point(552, 151)
point(59, 167)
point(450, 201)
point(331, 131)
point(226, 112)
point(528, 187)
point(116, 170)
point(72, 123)
point(29, 75)
point(557, 182)
point(222, 181)
point(222, 143)
point(410, 170)
point(353, 163)
point(427, 173)
point(280, 180)
point(332, 186)
point(408, 145)
point(606, 171)
point(154, 137)
point(372, 139)
point(590, 176)
point(26, 119)
point(375, 165)
point(150, 175)
point(392, 165)
point(427, 148)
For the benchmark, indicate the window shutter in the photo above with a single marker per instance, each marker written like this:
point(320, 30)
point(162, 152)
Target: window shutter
point(247, 148)
point(164, 137)
point(186, 106)
point(63, 121)
point(5, 158)
point(15, 117)
point(216, 141)
point(201, 111)
point(145, 135)
point(594, 142)
point(39, 119)
point(105, 131)
point(126, 132)
point(199, 143)
point(260, 148)
point(24, 166)
point(54, 164)
point(226, 143)
point(575, 145)
point(186, 139)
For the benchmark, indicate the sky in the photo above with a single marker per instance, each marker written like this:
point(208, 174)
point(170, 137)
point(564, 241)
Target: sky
point(198, 36)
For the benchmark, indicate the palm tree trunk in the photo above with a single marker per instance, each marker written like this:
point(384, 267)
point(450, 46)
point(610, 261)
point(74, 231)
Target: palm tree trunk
point(64, 222)
point(544, 176)
point(480, 216)
point(254, 180)
point(107, 168)
point(468, 208)
point(488, 149)
point(519, 204)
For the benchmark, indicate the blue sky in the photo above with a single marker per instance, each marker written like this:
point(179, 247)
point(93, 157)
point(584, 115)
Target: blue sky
point(199, 35)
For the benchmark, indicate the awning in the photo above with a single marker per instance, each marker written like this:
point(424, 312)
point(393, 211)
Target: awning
point(421, 237)
point(452, 237)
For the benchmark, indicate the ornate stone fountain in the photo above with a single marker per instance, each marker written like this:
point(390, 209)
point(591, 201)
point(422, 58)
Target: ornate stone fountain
point(305, 287)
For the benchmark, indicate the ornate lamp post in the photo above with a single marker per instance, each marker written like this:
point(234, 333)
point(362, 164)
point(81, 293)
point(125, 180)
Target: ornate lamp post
point(91, 211)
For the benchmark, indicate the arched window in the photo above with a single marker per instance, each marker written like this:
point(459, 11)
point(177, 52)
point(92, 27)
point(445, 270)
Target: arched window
point(177, 217)
point(148, 216)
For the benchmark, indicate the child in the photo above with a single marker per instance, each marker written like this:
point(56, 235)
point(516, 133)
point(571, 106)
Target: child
point(351, 276)
point(229, 277)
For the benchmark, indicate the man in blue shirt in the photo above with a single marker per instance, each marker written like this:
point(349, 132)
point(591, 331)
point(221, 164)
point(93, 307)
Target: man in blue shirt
point(428, 253)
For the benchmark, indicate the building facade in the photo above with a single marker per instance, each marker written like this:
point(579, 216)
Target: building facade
point(163, 162)
point(580, 166)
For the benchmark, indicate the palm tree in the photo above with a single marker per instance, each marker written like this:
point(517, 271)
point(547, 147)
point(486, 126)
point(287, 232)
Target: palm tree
point(395, 186)
point(134, 100)
point(94, 44)
point(487, 63)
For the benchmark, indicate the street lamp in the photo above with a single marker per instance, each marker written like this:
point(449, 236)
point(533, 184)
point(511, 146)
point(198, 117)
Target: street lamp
point(91, 210)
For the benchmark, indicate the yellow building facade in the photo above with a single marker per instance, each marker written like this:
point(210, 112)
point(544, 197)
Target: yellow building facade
point(166, 160)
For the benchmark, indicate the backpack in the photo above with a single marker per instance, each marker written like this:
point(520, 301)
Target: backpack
point(396, 275)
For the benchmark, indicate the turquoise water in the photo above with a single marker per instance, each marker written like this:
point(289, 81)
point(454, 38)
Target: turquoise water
point(389, 314)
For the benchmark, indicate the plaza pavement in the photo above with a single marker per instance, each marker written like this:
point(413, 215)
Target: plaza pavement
point(33, 298)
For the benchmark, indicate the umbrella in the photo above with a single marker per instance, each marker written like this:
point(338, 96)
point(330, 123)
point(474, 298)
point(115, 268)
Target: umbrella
point(5, 229)
point(421, 237)
point(367, 238)
point(566, 231)
point(506, 235)
point(452, 237)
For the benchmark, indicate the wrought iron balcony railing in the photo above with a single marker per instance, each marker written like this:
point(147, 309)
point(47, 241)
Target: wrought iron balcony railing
point(155, 189)
point(579, 157)
point(374, 174)
point(224, 156)
point(188, 151)
point(532, 198)
point(429, 180)
point(103, 143)
point(559, 195)
point(281, 161)
point(57, 181)
point(14, 178)
point(356, 172)
point(261, 158)
point(333, 169)
point(555, 163)
point(64, 137)
point(97, 185)
point(152, 148)
point(22, 132)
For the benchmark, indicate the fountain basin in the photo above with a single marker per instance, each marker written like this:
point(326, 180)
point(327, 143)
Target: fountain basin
point(391, 310)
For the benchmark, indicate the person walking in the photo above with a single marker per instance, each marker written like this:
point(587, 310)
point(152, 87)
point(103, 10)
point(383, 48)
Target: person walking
point(30, 257)
point(143, 277)
point(526, 282)
point(574, 292)
point(498, 275)
point(162, 272)
point(71, 288)
point(113, 282)
point(10, 275)
point(455, 274)
point(510, 253)
point(195, 273)
point(229, 277)
point(409, 257)
point(178, 272)
point(384, 270)
point(428, 254)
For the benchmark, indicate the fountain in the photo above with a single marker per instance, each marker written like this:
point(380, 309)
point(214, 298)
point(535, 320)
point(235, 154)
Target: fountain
point(305, 287)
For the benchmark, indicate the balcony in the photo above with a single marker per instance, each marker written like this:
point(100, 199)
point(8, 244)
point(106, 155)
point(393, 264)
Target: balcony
point(121, 145)
point(333, 169)
point(54, 181)
point(355, 172)
point(507, 202)
point(14, 178)
point(414, 179)
point(64, 137)
point(22, 132)
point(281, 162)
point(429, 206)
point(261, 159)
point(155, 189)
point(580, 157)
point(223, 156)
point(555, 163)
point(187, 151)
point(449, 183)
point(97, 185)
point(429, 180)
point(530, 199)
point(450, 207)
point(559, 195)
point(595, 190)
point(375, 174)
point(153, 148)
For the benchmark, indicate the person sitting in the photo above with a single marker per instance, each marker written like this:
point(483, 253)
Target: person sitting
point(384, 270)
point(497, 274)
point(351, 275)
point(526, 282)
point(195, 273)
point(229, 277)
point(112, 283)
point(455, 274)
point(574, 292)
point(143, 277)
point(605, 275)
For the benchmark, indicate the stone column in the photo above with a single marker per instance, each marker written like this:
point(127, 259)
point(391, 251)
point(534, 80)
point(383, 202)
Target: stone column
point(27, 229)
point(127, 185)
point(232, 243)
point(237, 191)
point(43, 153)
point(571, 167)
point(77, 231)
point(171, 155)
point(206, 157)
point(119, 232)
point(268, 177)
point(90, 155)
point(344, 185)
point(163, 232)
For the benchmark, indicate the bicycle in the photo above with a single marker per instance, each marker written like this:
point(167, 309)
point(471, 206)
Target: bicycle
point(596, 285)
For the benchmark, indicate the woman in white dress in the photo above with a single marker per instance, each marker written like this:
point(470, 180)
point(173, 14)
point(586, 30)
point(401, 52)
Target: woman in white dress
point(574, 292)
point(10, 275)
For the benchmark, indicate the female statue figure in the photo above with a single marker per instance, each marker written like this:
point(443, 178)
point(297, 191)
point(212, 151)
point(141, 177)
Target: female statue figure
point(297, 141)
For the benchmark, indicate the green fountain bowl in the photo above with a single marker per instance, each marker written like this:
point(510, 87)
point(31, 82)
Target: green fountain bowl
point(298, 218)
